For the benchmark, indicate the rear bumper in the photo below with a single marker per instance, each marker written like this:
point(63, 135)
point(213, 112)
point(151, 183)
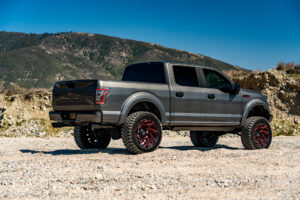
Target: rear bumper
point(81, 117)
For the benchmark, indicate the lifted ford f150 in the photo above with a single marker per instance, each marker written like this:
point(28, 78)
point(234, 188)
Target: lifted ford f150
point(155, 96)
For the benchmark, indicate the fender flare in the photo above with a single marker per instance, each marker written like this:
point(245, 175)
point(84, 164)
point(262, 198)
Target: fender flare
point(138, 98)
point(251, 104)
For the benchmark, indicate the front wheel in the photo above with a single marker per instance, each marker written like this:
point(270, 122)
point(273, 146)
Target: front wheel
point(142, 132)
point(256, 133)
point(204, 139)
point(86, 138)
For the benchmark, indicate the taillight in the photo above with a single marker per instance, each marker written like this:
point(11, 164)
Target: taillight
point(100, 95)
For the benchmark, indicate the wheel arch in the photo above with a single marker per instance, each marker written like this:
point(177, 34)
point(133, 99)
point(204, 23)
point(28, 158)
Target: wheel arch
point(146, 102)
point(256, 107)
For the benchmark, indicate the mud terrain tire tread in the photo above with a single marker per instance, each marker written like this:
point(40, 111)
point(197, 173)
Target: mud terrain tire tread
point(127, 131)
point(79, 140)
point(246, 137)
point(195, 139)
point(198, 142)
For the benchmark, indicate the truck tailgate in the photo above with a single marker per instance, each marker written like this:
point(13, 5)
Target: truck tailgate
point(77, 95)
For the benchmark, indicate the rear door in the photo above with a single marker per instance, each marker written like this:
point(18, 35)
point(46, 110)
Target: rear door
point(188, 97)
point(222, 107)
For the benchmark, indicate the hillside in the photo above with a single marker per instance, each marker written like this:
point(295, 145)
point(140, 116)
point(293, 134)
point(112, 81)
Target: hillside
point(283, 91)
point(39, 60)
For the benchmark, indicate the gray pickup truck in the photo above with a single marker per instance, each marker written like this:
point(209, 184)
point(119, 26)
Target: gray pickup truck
point(157, 96)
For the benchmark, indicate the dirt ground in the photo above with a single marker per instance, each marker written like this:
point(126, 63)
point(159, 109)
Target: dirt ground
point(54, 168)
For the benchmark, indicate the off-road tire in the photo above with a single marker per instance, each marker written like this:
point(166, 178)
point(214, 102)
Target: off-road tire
point(195, 138)
point(198, 139)
point(248, 133)
point(85, 138)
point(130, 127)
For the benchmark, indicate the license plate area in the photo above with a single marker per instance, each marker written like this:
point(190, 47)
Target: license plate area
point(68, 116)
point(73, 116)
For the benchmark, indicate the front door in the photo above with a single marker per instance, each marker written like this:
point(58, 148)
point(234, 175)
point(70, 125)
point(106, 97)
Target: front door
point(222, 107)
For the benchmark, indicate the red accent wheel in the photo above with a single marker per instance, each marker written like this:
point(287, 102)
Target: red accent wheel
point(262, 135)
point(147, 133)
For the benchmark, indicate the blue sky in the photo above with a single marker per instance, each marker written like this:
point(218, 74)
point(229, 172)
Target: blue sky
point(252, 34)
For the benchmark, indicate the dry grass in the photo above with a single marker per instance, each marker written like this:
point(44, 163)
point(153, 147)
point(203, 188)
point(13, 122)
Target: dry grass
point(38, 91)
point(290, 68)
point(26, 92)
point(235, 73)
point(12, 91)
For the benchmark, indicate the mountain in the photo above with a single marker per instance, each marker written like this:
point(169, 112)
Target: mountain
point(39, 60)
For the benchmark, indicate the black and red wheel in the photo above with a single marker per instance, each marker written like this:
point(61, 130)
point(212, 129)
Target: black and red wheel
point(256, 133)
point(142, 132)
point(204, 139)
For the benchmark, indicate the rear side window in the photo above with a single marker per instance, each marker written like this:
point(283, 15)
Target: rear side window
point(186, 76)
point(145, 72)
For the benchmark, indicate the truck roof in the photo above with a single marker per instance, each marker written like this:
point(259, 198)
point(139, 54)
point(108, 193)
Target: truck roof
point(178, 63)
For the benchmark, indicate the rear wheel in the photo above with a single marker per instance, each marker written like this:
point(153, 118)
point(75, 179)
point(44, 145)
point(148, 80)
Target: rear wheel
point(256, 133)
point(142, 132)
point(204, 139)
point(86, 138)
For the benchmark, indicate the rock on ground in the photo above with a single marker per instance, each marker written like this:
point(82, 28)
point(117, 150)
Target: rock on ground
point(54, 168)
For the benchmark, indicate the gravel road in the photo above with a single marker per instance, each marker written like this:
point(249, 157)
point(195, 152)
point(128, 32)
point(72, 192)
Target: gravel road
point(54, 168)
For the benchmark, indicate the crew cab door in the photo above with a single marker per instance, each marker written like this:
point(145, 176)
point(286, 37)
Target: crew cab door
point(187, 97)
point(223, 106)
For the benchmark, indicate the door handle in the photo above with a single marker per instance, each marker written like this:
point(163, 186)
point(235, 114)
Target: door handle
point(179, 94)
point(211, 96)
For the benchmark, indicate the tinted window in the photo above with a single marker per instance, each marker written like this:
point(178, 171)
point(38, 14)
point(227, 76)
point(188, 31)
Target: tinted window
point(186, 76)
point(215, 79)
point(145, 72)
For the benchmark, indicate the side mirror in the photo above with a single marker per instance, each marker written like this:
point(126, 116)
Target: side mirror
point(236, 88)
point(233, 89)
